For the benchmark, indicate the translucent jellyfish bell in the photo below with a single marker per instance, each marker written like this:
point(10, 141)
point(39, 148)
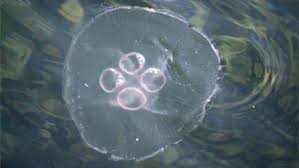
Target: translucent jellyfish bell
point(137, 80)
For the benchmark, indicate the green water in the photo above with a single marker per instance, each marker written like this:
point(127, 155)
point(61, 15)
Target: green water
point(251, 122)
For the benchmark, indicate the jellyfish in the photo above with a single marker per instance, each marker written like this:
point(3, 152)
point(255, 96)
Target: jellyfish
point(136, 80)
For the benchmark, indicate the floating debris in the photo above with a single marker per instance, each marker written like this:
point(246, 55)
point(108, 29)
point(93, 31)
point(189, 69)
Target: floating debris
point(72, 11)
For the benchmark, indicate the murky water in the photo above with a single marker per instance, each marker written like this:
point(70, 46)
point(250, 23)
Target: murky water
point(252, 121)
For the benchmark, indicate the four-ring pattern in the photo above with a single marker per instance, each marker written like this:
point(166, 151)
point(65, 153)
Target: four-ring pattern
point(130, 96)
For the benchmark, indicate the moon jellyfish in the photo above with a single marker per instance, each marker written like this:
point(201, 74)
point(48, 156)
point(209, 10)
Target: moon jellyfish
point(137, 80)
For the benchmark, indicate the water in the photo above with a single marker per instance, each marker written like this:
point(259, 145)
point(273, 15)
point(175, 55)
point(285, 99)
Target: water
point(251, 122)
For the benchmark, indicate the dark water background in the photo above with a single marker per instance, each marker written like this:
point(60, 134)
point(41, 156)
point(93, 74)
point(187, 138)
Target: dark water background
point(252, 121)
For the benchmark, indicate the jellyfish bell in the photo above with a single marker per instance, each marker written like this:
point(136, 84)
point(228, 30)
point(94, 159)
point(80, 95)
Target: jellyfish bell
point(137, 73)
